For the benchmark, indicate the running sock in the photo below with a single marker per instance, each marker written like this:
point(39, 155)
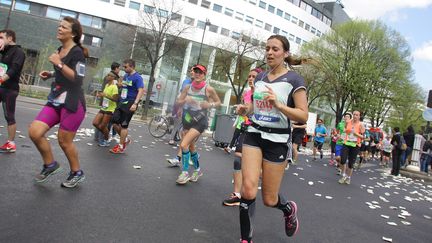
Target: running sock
point(237, 194)
point(78, 173)
point(283, 205)
point(194, 157)
point(247, 212)
point(54, 163)
point(11, 142)
point(185, 159)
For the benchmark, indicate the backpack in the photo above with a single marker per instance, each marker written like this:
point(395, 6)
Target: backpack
point(402, 145)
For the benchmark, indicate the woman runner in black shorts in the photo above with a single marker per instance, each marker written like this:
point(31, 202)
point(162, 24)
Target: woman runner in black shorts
point(279, 96)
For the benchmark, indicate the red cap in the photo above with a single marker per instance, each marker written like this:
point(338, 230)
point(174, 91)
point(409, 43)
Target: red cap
point(200, 67)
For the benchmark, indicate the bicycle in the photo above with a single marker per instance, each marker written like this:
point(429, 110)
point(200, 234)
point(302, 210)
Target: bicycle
point(160, 125)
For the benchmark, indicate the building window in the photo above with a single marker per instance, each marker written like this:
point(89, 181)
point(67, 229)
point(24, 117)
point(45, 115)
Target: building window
point(189, 21)
point(253, 2)
point(316, 13)
point(309, 9)
point(259, 23)
point(205, 4)
point(149, 9)
point(107, 1)
point(54, 13)
point(225, 32)
point(262, 4)
point(303, 5)
point(279, 12)
point(229, 12)
point(90, 21)
point(22, 6)
point(271, 8)
point(38, 9)
point(294, 20)
point(313, 30)
point(239, 16)
point(201, 24)
point(276, 30)
point(194, 2)
point(6, 2)
point(318, 33)
point(134, 5)
point(287, 16)
point(307, 27)
point(92, 61)
point(217, 8)
point(68, 13)
point(291, 37)
point(96, 41)
point(298, 40)
point(284, 33)
point(176, 17)
point(268, 27)
point(162, 13)
point(235, 35)
point(249, 19)
point(301, 23)
point(213, 28)
point(326, 20)
point(295, 2)
point(120, 2)
point(91, 40)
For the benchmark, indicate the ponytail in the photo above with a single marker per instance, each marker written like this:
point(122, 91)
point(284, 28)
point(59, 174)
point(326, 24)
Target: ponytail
point(85, 50)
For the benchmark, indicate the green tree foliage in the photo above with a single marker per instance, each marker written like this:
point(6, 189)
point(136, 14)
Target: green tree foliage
point(360, 65)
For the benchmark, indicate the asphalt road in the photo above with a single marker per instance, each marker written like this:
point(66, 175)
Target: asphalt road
point(118, 203)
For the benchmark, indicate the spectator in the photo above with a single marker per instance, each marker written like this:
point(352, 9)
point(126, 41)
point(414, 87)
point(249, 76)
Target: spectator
point(409, 137)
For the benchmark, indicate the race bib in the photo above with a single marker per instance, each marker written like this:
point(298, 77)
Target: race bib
point(105, 103)
point(124, 92)
point(352, 137)
point(3, 69)
point(59, 100)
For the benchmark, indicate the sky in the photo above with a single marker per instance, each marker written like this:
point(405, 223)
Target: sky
point(411, 18)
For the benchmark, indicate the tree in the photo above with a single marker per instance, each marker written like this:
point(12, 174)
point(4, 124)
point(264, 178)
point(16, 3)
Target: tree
point(158, 29)
point(244, 52)
point(407, 110)
point(359, 61)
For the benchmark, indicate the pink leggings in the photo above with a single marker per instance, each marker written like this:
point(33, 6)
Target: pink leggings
point(69, 121)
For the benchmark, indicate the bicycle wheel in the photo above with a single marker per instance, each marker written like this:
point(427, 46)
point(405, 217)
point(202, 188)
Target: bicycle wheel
point(158, 126)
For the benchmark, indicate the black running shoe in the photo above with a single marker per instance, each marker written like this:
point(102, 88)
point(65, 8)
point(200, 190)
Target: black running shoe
point(47, 172)
point(291, 221)
point(73, 180)
point(233, 200)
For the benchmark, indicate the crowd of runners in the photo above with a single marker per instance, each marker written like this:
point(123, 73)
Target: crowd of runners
point(268, 132)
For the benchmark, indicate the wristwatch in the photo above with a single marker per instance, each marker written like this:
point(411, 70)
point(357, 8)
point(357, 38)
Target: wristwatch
point(60, 66)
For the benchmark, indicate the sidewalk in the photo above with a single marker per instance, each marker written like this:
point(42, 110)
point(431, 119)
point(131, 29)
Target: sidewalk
point(413, 172)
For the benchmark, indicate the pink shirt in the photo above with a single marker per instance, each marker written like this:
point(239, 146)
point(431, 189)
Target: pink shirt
point(247, 97)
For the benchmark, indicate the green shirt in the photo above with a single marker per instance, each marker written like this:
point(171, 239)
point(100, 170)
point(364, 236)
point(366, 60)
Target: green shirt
point(107, 104)
point(341, 129)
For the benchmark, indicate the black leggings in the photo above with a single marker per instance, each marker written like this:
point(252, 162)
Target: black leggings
point(349, 153)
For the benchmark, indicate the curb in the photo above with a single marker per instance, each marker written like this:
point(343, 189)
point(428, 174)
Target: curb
point(415, 175)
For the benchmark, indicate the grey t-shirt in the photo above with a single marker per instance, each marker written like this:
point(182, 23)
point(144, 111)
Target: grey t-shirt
point(265, 114)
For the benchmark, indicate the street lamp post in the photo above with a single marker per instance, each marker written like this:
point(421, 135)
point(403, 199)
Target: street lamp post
point(9, 13)
point(202, 39)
